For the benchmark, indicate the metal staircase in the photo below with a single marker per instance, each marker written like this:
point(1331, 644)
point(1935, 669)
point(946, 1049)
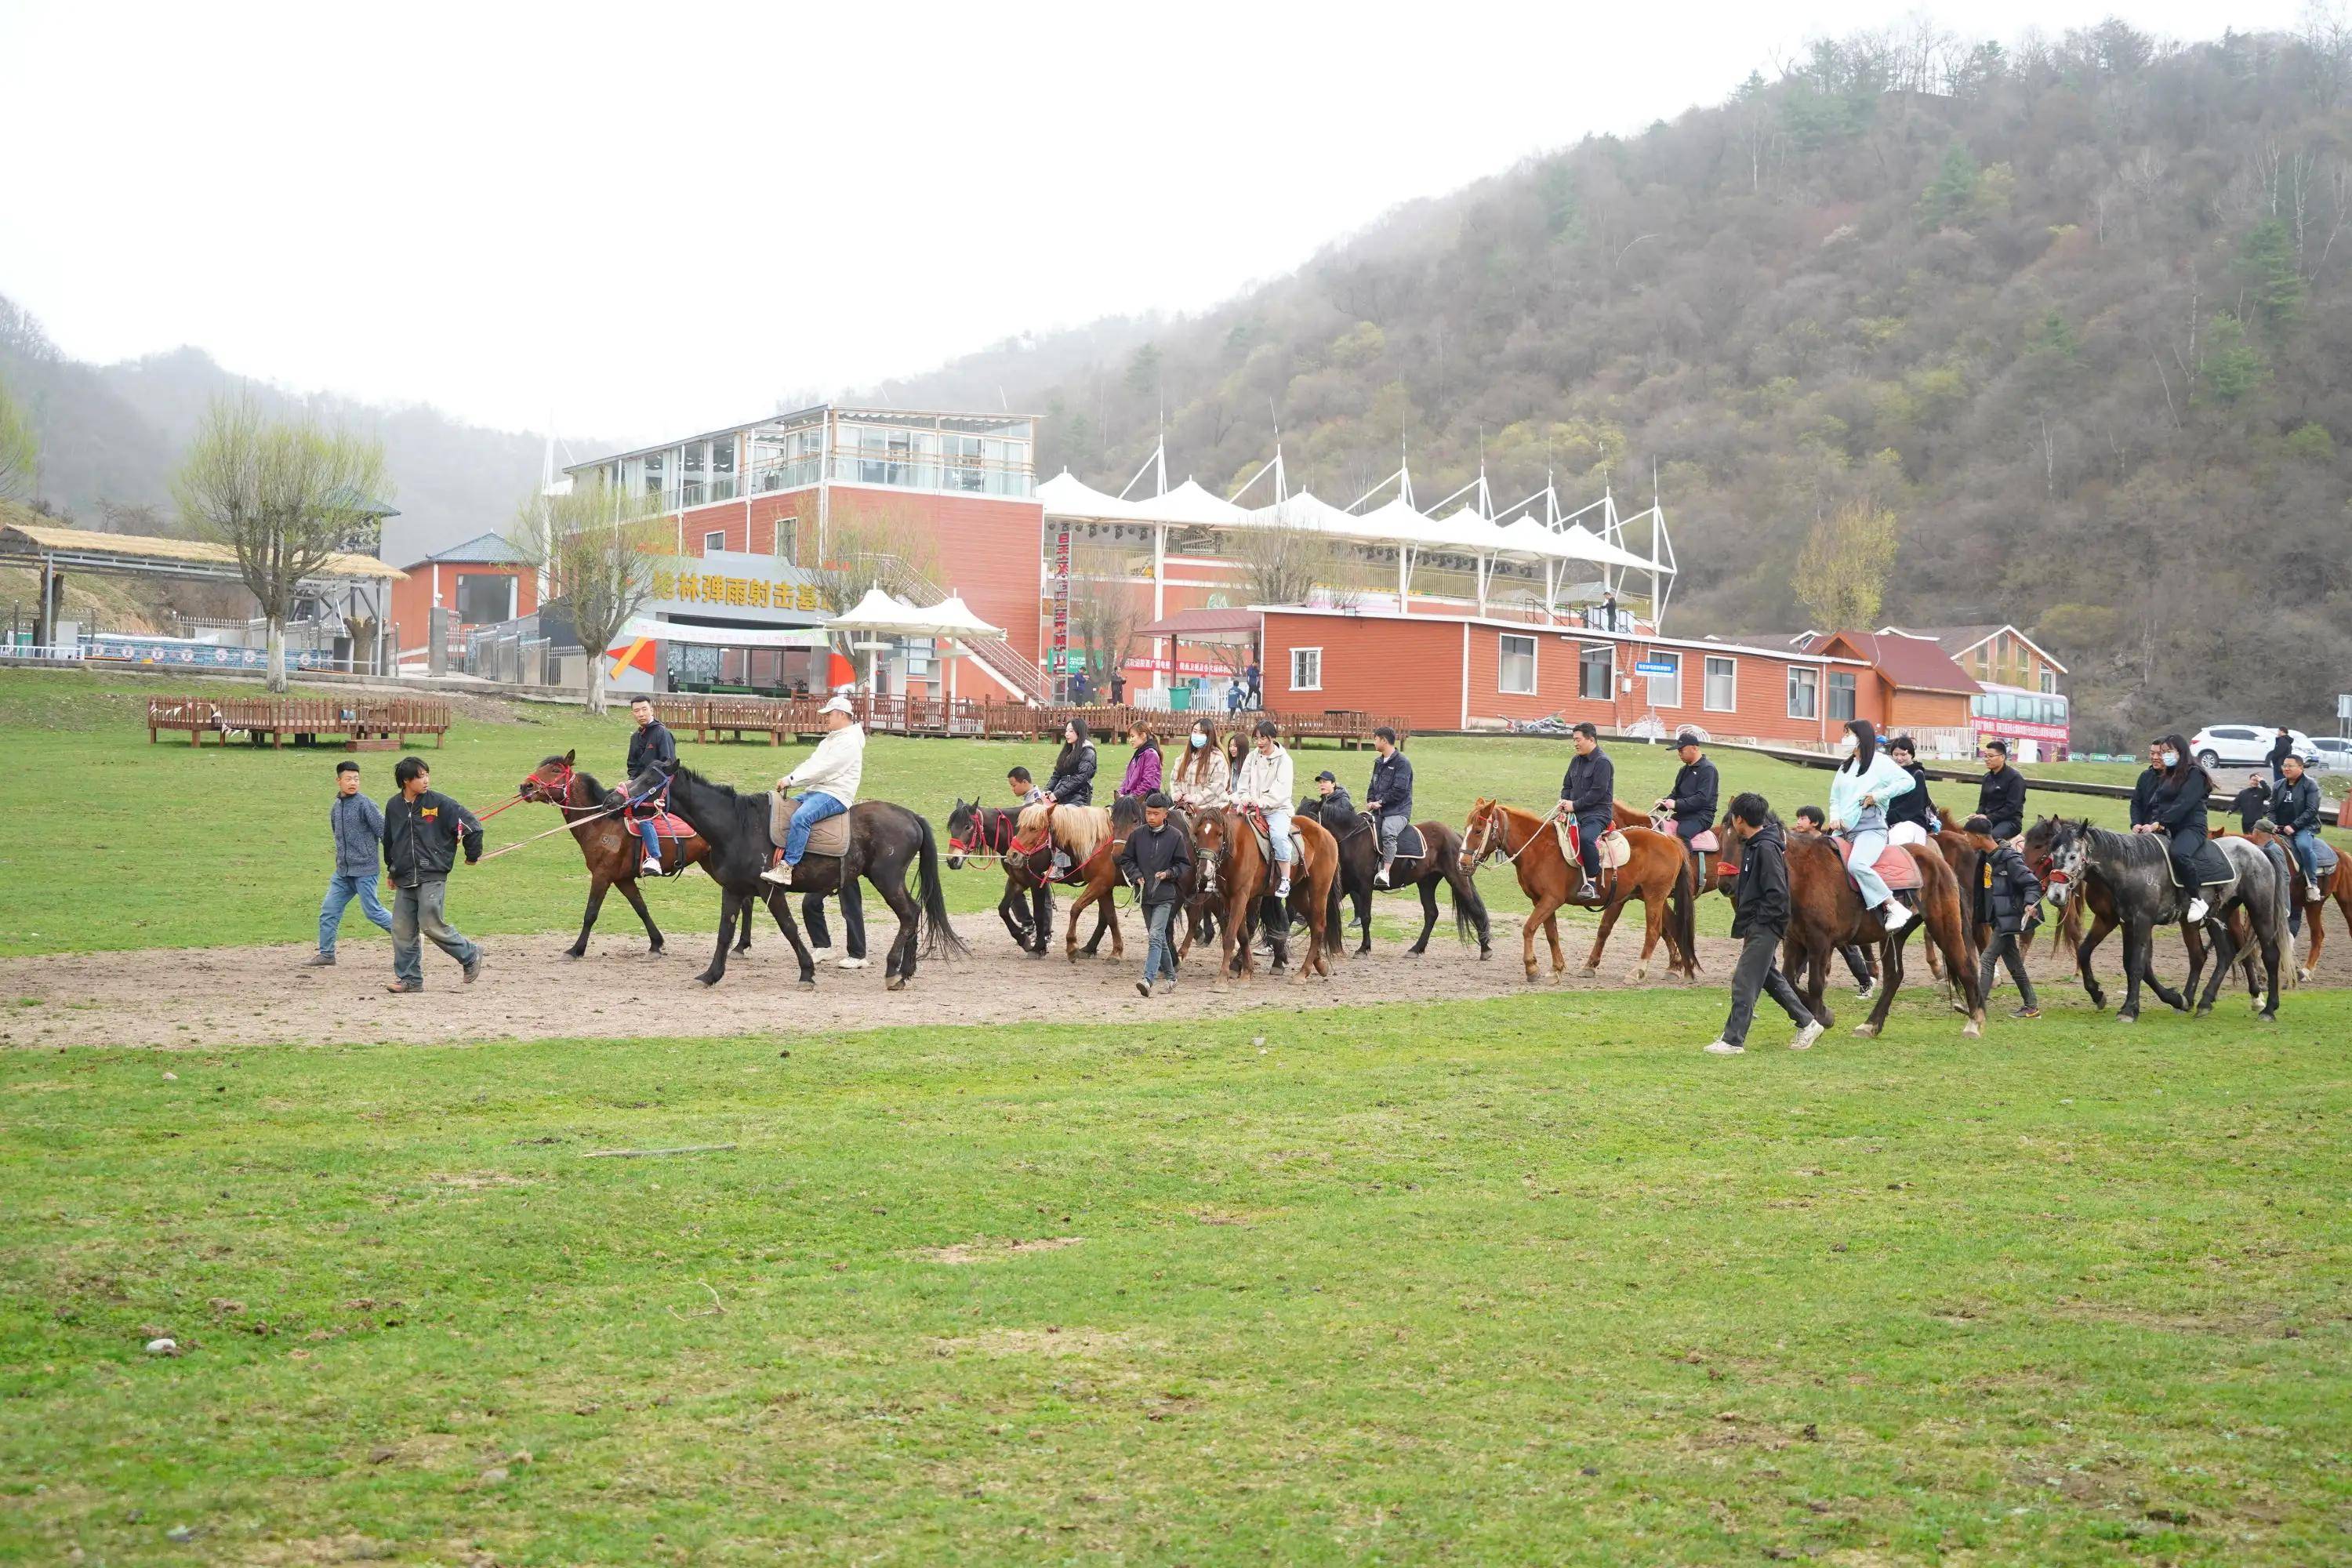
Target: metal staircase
point(1004, 661)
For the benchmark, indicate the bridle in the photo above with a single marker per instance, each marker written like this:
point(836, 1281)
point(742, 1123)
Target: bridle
point(1493, 840)
point(982, 845)
point(555, 792)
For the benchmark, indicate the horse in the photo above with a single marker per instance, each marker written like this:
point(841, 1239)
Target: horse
point(885, 840)
point(2137, 869)
point(1359, 838)
point(1826, 912)
point(1657, 871)
point(609, 845)
point(986, 832)
point(2092, 892)
point(1083, 834)
point(2336, 886)
point(1235, 877)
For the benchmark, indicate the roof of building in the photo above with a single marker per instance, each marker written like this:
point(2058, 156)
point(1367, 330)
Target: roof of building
point(1770, 649)
point(159, 553)
point(933, 418)
point(1957, 640)
point(482, 550)
point(1200, 624)
point(1913, 663)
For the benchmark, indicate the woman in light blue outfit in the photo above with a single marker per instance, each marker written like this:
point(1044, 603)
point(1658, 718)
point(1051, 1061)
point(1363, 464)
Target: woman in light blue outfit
point(1858, 792)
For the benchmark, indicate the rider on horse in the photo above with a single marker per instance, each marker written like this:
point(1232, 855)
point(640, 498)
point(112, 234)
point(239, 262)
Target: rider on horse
point(1202, 780)
point(1858, 792)
point(1389, 797)
point(2178, 811)
point(1910, 817)
point(1265, 785)
point(1332, 806)
point(827, 783)
point(1692, 800)
point(1588, 793)
point(652, 746)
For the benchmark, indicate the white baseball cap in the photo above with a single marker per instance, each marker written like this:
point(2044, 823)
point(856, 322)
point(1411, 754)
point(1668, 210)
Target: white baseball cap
point(838, 703)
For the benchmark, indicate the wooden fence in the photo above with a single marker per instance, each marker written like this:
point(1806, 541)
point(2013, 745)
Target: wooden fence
point(356, 721)
point(797, 718)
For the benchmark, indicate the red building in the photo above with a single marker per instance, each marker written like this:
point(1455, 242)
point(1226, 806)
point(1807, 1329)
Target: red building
point(480, 583)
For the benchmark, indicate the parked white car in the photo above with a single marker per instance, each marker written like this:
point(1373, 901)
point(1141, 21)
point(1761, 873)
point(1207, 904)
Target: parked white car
point(2333, 753)
point(2220, 745)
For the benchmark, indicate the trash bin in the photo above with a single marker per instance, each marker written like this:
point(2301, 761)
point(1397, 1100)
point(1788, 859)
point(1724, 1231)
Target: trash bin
point(1180, 699)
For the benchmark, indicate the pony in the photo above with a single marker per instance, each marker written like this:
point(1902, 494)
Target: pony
point(977, 832)
point(1083, 833)
point(608, 845)
point(1237, 879)
point(1825, 914)
point(885, 841)
point(2137, 869)
point(1440, 861)
point(1657, 872)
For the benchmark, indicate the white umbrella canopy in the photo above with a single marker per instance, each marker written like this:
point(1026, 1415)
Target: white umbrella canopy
point(1467, 529)
point(1581, 543)
point(954, 619)
point(1304, 510)
point(878, 612)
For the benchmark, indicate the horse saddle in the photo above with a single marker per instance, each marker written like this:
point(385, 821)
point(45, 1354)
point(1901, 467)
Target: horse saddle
point(1703, 842)
point(1265, 837)
point(1615, 849)
point(2208, 863)
point(1896, 869)
point(2325, 858)
point(830, 836)
point(1411, 846)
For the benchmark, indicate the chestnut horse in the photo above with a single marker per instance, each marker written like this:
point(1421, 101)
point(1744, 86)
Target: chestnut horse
point(1237, 880)
point(1658, 873)
point(1084, 832)
point(1825, 914)
point(609, 844)
point(2337, 885)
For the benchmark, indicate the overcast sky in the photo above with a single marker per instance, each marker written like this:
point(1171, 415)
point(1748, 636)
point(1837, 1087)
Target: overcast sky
point(636, 222)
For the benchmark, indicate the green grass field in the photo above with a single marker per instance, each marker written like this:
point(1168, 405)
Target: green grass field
point(1527, 1280)
point(174, 846)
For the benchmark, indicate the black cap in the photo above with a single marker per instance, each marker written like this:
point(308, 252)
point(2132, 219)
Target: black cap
point(1326, 773)
point(1156, 801)
point(1685, 739)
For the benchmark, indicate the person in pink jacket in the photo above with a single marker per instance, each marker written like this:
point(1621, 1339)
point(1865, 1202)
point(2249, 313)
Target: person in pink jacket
point(1143, 767)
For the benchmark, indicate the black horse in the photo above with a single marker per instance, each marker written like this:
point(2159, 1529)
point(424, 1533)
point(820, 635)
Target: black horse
point(1440, 861)
point(986, 832)
point(885, 840)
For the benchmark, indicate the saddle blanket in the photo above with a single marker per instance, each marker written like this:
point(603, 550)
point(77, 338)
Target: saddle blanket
point(1411, 846)
point(1896, 869)
point(2326, 859)
point(830, 836)
point(2211, 865)
point(665, 824)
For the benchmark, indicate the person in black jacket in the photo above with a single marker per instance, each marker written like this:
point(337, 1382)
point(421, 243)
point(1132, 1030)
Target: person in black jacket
point(422, 832)
point(2251, 804)
point(2144, 787)
point(1329, 804)
point(1389, 797)
point(651, 746)
point(1691, 799)
point(1072, 779)
point(1588, 793)
point(2281, 748)
point(1910, 811)
point(1760, 917)
point(2294, 816)
point(2000, 799)
point(1156, 860)
point(2178, 812)
point(2008, 899)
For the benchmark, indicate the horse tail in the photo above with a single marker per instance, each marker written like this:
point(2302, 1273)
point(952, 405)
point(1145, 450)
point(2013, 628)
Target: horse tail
point(940, 937)
point(1683, 907)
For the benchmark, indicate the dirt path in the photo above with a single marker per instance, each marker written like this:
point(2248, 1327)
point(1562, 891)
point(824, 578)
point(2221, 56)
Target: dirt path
point(252, 996)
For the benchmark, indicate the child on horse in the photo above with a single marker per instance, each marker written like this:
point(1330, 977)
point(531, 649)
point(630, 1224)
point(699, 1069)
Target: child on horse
point(652, 746)
point(1759, 903)
point(827, 782)
point(1858, 792)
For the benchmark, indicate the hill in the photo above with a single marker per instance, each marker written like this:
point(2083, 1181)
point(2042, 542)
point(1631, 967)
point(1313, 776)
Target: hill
point(2075, 311)
point(110, 434)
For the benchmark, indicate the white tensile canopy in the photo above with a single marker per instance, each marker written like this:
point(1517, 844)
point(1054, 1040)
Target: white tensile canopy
point(1188, 505)
point(1067, 495)
point(878, 612)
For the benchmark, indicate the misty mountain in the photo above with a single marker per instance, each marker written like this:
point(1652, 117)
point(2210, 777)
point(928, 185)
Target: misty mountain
point(110, 434)
point(2077, 312)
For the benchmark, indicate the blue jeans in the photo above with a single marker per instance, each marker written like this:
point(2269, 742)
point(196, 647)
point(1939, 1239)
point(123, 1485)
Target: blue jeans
point(341, 888)
point(814, 807)
point(646, 830)
point(1861, 859)
point(1277, 828)
point(1160, 955)
point(420, 911)
point(2304, 846)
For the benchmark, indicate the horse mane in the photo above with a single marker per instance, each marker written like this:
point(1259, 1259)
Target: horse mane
point(587, 782)
point(1080, 829)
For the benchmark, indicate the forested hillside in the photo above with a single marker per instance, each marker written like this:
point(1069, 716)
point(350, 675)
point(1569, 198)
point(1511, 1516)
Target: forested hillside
point(2077, 312)
point(110, 434)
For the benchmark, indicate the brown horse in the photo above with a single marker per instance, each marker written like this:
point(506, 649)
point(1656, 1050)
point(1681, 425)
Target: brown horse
point(1825, 914)
point(610, 845)
point(1658, 873)
point(1083, 834)
point(1237, 881)
point(2336, 886)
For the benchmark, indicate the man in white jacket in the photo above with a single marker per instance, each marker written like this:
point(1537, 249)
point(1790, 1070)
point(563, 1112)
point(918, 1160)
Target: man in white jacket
point(1264, 783)
point(827, 783)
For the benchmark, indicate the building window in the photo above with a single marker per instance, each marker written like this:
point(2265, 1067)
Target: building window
point(1596, 668)
point(2049, 680)
point(1804, 693)
point(1666, 691)
point(1307, 670)
point(715, 540)
point(1515, 668)
point(485, 598)
point(1841, 694)
point(1722, 693)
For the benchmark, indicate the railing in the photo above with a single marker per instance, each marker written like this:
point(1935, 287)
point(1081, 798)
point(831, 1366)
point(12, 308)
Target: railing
point(715, 718)
point(387, 719)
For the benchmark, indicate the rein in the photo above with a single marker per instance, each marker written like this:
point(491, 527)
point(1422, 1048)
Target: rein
point(560, 827)
point(978, 846)
point(1498, 840)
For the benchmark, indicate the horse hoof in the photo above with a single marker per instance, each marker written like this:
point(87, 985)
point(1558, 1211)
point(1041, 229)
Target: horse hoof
point(707, 979)
point(2126, 1017)
point(1867, 1031)
point(2202, 1011)
point(1484, 955)
point(1972, 1030)
point(896, 982)
point(578, 953)
point(1638, 973)
point(2266, 1017)
point(1531, 977)
point(808, 984)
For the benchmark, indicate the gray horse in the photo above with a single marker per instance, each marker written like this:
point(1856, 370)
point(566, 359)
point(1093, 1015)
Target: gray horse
point(2138, 874)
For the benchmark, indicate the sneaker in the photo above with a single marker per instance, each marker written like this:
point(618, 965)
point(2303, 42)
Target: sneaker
point(2025, 1012)
point(847, 962)
point(1806, 1036)
point(1380, 877)
point(2198, 910)
point(1864, 990)
point(652, 866)
point(1143, 988)
point(402, 988)
point(320, 960)
point(2314, 894)
point(1893, 918)
point(1164, 988)
point(474, 968)
point(780, 874)
point(1282, 888)
point(1724, 1048)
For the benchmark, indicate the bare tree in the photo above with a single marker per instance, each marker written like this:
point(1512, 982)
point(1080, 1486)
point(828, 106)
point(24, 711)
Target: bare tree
point(19, 451)
point(287, 497)
point(1282, 564)
point(598, 563)
point(871, 543)
point(1105, 613)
